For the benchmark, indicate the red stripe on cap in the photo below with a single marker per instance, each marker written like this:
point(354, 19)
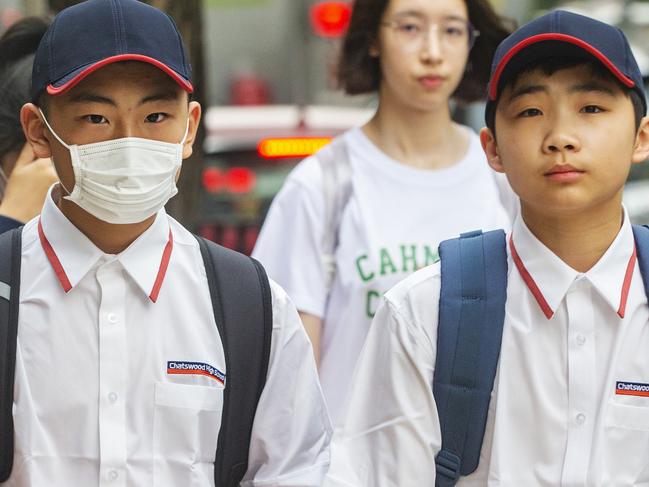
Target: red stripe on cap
point(627, 283)
point(164, 263)
point(184, 84)
point(493, 86)
point(54, 260)
point(529, 281)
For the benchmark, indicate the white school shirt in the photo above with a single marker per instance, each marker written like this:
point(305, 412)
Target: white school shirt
point(570, 405)
point(120, 369)
point(391, 226)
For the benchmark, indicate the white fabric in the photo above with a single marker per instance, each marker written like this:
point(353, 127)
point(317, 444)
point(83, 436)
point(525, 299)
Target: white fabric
point(125, 180)
point(94, 403)
point(555, 418)
point(391, 226)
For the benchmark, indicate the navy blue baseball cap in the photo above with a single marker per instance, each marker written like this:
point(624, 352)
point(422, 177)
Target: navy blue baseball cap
point(90, 35)
point(564, 34)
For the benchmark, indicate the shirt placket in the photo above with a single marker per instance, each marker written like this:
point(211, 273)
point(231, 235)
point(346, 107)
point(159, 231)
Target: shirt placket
point(581, 383)
point(112, 375)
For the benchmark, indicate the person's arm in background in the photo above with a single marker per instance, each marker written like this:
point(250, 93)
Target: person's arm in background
point(27, 186)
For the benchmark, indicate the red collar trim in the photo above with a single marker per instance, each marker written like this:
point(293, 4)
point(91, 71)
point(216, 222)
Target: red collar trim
point(540, 299)
point(65, 281)
point(162, 270)
point(54, 260)
point(534, 289)
point(627, 282)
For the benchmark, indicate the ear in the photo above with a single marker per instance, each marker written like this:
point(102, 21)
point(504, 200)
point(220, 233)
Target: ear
point(490, 148)
point(641, 147)
point(34, 129)
point(192, 130)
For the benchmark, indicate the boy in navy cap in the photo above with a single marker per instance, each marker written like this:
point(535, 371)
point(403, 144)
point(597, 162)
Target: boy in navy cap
point(120, 369)
point(570, 400)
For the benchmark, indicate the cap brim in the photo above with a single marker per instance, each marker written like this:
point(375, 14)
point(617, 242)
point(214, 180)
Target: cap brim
point(545, 46)
point(67, 82)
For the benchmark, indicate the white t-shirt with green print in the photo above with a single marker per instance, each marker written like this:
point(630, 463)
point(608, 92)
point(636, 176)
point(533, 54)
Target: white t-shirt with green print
point(392, 225)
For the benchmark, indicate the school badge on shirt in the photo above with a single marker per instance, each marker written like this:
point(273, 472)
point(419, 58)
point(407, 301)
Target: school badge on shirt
point(175, 367)
point(631, 389)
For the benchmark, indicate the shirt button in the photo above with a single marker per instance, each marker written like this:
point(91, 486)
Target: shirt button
point(112, 318)
point(580, 419)
point(112, 475)
point(581, 339)
point(112, 397)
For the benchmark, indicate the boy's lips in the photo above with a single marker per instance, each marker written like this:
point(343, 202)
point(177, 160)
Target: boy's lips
point(564, 173)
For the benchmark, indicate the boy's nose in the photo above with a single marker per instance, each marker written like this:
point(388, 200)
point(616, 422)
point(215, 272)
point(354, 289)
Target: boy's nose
point(561, 141)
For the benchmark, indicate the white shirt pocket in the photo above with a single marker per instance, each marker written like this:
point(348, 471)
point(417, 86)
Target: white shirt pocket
point(186, 424)
point(626, 445)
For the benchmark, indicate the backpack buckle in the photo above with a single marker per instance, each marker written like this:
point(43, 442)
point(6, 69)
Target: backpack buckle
point(447, 465)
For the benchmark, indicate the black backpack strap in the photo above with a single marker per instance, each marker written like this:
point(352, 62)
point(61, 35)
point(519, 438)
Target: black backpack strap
point(241, 299)
point(471, 318)
point(10, 254)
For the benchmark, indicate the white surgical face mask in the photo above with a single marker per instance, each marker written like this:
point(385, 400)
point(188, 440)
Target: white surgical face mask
point(123, 180)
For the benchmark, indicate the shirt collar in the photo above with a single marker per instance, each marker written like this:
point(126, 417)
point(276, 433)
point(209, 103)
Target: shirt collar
point(72, 254)
point(549, 278)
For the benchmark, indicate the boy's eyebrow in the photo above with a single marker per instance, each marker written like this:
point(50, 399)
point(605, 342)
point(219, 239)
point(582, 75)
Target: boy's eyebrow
point(590, 86)
point(526, 90)
point(92, 98)
point(587, 87)
point(82, 97)
point(170, 95)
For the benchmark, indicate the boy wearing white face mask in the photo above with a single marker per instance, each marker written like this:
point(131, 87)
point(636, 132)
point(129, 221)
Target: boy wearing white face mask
point(122, 375)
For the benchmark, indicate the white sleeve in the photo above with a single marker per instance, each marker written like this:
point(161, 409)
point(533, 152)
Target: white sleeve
point(391, 433)
point(292, 431)
point(290, 241)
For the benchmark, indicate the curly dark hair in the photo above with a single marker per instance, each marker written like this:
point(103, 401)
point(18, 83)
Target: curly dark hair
point(360, 73)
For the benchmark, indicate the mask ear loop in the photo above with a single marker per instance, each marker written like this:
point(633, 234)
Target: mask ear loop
point(61, 142)
point(182, 142)
point(181, 147)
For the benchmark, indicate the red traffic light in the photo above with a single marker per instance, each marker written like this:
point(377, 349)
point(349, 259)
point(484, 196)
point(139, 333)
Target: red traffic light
point(331, 19)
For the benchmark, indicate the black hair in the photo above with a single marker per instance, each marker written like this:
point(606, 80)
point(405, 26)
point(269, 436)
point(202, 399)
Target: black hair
point(360, 73)
point(17, 47)
point(550, 66)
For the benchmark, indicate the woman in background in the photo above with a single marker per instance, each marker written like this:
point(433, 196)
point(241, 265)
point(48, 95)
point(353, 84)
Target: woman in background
point(24, 180)
point(416, 176)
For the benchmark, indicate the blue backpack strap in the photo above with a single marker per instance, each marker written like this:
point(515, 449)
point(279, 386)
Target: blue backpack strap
point(641, 236)
point(471, 318)
point(10, 254)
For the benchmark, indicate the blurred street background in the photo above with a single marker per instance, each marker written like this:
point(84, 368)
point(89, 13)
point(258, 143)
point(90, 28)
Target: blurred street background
point(263, 71)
